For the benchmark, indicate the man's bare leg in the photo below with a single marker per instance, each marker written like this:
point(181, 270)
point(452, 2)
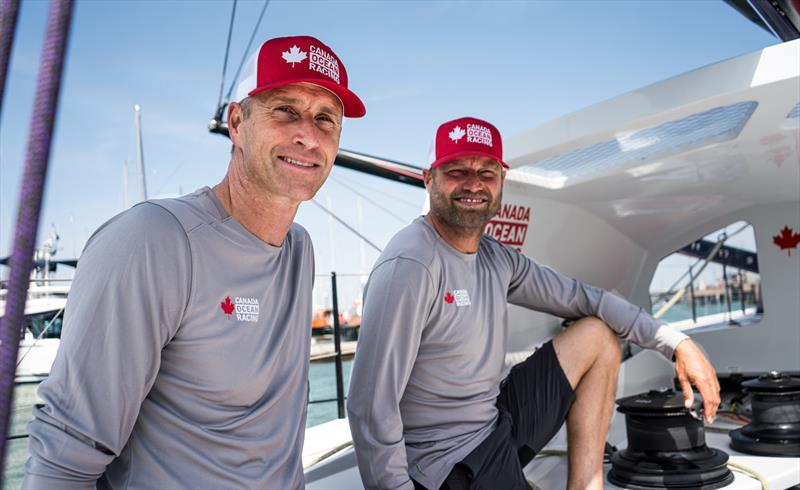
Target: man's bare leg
point(589, 354)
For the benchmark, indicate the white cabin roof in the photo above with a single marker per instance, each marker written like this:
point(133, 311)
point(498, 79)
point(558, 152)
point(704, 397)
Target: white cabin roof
point(677, 153)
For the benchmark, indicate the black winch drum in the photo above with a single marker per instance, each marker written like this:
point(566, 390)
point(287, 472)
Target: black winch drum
point(666, 446)
point(775, 429)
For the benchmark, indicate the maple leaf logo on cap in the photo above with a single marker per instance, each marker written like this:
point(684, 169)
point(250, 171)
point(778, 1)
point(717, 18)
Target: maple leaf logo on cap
point(294, 55)
point(456, 134)
point(448, 298)
point(227, 306)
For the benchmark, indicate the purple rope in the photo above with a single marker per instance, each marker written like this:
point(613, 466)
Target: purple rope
point(30, 201)
point(9, 10)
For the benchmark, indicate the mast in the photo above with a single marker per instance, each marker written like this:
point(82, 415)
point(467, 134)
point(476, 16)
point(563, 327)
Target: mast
point(125, 201)
point(140, 152)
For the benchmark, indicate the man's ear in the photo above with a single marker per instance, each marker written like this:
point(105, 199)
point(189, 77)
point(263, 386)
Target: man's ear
point(426, 177)
point(235, 120)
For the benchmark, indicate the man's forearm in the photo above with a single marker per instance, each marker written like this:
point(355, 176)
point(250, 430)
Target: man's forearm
point(544, 289)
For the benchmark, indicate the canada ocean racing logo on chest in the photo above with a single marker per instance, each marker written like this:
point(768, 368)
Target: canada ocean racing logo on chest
point(459, 296)
point(245, 309)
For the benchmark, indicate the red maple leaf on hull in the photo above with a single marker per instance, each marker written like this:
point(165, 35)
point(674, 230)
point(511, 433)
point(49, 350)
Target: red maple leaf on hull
point(787, 239)
point(227, 306)
point(448, 298)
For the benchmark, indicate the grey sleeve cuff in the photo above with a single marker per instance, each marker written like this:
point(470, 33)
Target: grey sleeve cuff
point(668, 339)
point(635, 324)
point(60, 457)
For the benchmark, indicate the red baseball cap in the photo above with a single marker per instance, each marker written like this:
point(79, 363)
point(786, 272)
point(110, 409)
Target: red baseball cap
point(467, 136)
point(298, 59)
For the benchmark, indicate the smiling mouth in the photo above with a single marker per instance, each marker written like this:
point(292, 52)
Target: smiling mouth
point(299, 163)
point(471, 201)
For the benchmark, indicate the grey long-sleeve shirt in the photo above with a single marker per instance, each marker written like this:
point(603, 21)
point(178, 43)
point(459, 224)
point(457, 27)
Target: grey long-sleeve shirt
point(432, 346)
point(184, 357)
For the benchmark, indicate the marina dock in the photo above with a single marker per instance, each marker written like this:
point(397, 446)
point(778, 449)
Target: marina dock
point(324, 350)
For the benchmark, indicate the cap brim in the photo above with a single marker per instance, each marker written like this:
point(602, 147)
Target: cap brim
point(352, 105)
point(466, 153)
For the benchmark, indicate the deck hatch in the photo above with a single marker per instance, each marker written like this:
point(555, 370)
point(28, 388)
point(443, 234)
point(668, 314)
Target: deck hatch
point(792, 120)
point(795, 112)
point(632, 148)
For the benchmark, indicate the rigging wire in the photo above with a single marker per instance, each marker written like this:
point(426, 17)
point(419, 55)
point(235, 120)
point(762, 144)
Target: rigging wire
point(369, 200)
point(43, 120)
point(227, 51)
point(246, 51)
point(417, 207)
point(340, 220)
point(171, 175)
point(41, 334)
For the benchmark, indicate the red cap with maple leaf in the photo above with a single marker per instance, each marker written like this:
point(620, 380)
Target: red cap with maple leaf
point(298, 59)
point(467, 136)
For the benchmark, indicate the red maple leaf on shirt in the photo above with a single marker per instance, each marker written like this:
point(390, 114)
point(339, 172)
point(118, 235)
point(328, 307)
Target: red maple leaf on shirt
point(787, 239)
point(227, 306)
point(448, 298)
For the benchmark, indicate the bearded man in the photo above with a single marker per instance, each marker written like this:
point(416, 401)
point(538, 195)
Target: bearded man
point(427, 407)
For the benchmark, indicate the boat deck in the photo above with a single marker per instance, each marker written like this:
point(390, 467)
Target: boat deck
point(549, 469)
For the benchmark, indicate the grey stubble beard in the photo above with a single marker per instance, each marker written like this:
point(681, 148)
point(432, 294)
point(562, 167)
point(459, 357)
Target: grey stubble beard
point(463, 222)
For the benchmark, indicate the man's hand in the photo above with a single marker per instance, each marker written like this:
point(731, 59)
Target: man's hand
point(693, 368)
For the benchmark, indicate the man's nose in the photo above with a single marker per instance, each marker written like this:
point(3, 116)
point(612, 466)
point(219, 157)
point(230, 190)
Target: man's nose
point(306, 132)
point(472, 182)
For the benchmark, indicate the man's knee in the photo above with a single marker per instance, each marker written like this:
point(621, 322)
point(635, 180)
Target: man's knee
point(599, 338)
point(587, 344)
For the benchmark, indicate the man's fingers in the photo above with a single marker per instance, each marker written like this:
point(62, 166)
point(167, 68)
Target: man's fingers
point(710, 410)
point(711, 399)
point(692, 366)
point(710, 402)
point(688, 394)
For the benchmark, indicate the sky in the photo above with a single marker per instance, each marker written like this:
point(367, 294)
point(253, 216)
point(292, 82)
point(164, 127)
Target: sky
point(414, 64)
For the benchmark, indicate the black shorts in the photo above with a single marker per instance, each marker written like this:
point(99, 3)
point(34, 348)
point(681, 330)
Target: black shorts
point(532, 405)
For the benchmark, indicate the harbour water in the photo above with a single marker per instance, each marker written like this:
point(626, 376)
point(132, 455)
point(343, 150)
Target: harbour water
point(17, 447)
point(683, 310)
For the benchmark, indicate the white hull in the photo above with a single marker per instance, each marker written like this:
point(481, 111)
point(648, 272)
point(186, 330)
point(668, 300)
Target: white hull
point(36, 358)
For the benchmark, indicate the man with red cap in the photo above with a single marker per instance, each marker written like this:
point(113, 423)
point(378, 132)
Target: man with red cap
point(427, 407)
point(184, 356)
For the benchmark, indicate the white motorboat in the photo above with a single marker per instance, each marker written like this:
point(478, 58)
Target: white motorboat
point(44, 310)
point(43, 316)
